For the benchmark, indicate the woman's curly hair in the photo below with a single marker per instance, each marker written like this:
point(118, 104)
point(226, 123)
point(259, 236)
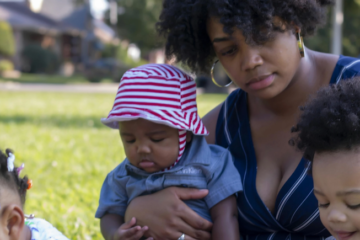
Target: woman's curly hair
point(11, 179)
point(331, 121)
point(183, 23)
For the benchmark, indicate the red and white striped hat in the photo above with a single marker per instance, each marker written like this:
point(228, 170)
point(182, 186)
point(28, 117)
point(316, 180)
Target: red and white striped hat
point(159, 93)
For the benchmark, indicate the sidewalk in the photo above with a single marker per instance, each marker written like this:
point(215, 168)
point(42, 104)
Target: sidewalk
point(76, 88)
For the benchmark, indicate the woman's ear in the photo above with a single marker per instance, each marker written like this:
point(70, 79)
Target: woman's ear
point(188, 136)
point(13, 220)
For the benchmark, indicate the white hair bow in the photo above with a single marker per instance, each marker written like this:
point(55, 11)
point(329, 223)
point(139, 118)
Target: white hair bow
point(10, 162)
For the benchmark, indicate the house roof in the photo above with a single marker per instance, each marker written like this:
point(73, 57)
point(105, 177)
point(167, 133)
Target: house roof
point(83, 20)
point(80, 18)
point(19, 15)
point(56, 9)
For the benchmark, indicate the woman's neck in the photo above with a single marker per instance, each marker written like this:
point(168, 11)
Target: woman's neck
point(305, 82)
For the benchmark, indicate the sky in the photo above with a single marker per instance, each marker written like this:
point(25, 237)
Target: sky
point(98, 7)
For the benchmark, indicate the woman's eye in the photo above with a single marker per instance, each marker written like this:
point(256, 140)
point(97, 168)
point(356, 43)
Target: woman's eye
point(157, 140)
point(229, 52)
point(354, 206)
point(323, 205)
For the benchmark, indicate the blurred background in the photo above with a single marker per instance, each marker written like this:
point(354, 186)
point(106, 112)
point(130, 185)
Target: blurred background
point(97, 40)
point(60, 64)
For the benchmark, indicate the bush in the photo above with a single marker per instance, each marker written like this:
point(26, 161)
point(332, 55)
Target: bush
point(6, 65)
point(7, 42)
point(40, 60)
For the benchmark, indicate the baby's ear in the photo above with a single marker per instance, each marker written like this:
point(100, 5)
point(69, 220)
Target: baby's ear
point(188, 136)
point(12, 221)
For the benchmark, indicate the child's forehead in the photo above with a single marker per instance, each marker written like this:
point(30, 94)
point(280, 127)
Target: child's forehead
point(8, 196)
point(145, 125)
point(337, 170)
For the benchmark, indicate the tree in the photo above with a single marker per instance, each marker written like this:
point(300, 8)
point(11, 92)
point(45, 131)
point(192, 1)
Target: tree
point(137, 23)
point(7, 46)
point(351, 33)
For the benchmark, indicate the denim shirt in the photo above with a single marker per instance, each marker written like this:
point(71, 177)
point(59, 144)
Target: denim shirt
point(202, 166)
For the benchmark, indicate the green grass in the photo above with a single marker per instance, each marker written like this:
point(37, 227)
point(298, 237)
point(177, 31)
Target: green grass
point(43, 78)
point(67, 153)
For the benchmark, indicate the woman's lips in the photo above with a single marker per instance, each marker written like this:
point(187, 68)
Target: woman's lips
point(344, 235)
point(261, 82)
point(146, 164)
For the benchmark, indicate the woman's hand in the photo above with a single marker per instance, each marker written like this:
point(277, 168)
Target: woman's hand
point(167, 216)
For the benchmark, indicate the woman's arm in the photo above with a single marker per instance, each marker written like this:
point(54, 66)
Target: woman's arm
point(210, 120)
point(225, 220)
point(167, 216)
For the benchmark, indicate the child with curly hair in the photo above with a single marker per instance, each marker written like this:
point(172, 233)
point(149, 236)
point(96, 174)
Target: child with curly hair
point(155, 111)
point(13, 223)
point(329, 133)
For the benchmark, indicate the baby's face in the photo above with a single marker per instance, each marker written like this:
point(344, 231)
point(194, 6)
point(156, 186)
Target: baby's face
point(149, 146)
point(337, 188)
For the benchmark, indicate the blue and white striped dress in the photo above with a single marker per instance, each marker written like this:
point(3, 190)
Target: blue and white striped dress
point(296, 214)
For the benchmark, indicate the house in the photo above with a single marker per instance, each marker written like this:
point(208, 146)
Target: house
point(33, 28)
point(72, 33)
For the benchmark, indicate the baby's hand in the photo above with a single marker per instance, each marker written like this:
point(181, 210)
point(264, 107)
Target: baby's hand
point(128, 231)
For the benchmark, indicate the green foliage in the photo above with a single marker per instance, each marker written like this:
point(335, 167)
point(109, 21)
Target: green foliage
point(7, 41)
point(137, 23)
point(122, 56)
point(67, 153)
point(40, 60)
point(6, 65)
point(119, 53)
point(351, 34)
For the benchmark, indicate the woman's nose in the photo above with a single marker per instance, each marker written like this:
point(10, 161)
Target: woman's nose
point(336, 216)
point(250, 58)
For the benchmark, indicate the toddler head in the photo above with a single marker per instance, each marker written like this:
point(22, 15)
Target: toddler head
point(155, 111)
point(12, 198)
point(329, 132)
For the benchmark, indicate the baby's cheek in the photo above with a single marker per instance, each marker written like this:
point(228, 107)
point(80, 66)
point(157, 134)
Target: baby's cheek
point(324, 219)
point(355, 218)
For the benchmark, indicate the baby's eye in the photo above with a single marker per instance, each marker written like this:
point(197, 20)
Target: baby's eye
point(157, 140)
point(323, 205)
point(130, 141)
point(354, 207)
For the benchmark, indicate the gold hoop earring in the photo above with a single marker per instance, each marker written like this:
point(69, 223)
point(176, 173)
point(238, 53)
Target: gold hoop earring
point(300, 42)
point(213, 78)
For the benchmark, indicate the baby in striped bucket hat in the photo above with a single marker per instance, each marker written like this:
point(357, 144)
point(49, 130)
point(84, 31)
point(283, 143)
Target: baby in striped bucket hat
point(163, 136)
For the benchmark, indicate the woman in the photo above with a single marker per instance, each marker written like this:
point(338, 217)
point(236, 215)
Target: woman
point(259, 44)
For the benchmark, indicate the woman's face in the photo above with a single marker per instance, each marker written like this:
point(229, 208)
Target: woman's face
point(261, 70)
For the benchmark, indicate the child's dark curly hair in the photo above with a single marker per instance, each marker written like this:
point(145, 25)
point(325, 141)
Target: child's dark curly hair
point(11, 180)
point(331, 121)
point(183, 23)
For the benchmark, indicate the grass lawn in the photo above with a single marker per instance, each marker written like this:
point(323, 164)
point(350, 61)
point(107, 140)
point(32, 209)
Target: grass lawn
point(67, 153)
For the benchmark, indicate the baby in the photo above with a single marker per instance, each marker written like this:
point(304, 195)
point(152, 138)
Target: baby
point(12, 199)
point(329, 134)
point(163, 136)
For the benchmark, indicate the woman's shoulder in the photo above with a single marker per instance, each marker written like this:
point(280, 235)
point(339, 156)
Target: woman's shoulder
point(210, 120)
